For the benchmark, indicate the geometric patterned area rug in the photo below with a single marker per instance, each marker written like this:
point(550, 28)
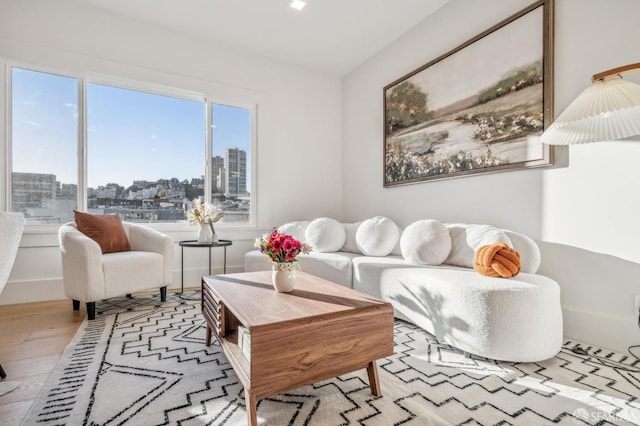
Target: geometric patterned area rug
point(144, 362)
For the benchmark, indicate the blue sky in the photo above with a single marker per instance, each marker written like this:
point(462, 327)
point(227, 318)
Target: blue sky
point(44, 116)
point(131, 135)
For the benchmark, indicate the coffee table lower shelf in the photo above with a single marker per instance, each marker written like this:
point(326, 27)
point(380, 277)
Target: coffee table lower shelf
point(297, 349)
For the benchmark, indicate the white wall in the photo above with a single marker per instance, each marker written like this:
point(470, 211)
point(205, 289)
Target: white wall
point(591, 209)
point(577, 212)
point(472, 199)
point(299, 121)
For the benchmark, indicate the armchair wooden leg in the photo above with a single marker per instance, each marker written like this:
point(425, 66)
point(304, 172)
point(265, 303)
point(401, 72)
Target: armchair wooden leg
point(163, 294)
point(91, 310)
point(76, 305)
point(2, 373)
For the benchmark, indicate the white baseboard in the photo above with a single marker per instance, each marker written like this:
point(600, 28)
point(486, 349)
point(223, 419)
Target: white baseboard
point(596, 329)
point(53, 289)
point(32, 291)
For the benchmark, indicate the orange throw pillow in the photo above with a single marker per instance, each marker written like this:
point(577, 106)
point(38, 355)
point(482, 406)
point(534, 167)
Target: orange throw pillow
point(106, 230)
point(497, 260)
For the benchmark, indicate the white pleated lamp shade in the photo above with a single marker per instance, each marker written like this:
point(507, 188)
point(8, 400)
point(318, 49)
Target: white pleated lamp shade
point(605, 111)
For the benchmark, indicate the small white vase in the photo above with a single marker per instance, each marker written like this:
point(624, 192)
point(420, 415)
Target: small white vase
point(283, 276)
point(204, 233)
point(214, 236)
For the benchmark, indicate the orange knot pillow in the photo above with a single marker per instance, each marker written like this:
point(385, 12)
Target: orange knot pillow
point(497, 260)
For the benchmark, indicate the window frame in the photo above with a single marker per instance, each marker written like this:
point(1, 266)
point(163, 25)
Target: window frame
point(209, 168)
point(85, 78)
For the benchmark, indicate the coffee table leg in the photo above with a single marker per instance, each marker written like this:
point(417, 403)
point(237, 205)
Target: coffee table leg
point(208, 337)
point(374, 382)
point(250, 401)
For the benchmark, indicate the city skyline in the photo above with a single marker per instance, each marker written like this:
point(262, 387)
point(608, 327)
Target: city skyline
point(241, 177)
point(44, 199)
point(215, 173)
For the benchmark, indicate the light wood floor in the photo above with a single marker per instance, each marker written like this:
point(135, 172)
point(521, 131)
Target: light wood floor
point(32, 338)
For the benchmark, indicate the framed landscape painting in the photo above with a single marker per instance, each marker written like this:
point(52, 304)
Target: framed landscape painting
point(479, 108)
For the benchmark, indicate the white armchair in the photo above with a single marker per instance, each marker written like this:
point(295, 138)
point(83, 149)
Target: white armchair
point(11, 227)
point(89, 275)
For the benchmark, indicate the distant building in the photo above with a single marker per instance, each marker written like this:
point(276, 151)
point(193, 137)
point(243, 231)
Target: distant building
point(236, 173)
point(67, 191)
point(217, 173)
point(149, 192)
point(36, 196)
point(221, 182)
point(29, 189)
point(105, 192)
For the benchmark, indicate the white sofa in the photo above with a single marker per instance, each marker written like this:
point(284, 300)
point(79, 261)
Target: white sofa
point(516, 319)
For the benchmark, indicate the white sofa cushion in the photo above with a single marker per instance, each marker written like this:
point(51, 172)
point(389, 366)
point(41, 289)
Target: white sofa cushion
point(335, 267)
point(377, 236)
point(129, 271)
point(530, 257)
point(367, 271)
point(467, 238)
point(325, 235)
point(425, 242)
point(350, 237)
point(397, 250)
point(296, 229)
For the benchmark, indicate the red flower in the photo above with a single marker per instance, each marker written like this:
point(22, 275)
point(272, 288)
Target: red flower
point(276, 244)
point(289, 245)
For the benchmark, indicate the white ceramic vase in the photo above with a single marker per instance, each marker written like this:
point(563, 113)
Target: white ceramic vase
point(204, 233)
point(283, 276)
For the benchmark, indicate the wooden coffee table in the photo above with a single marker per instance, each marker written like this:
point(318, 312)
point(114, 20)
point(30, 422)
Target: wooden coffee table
point(318, 331)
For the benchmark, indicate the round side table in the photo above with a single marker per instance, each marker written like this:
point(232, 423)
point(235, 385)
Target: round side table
point(196, 244)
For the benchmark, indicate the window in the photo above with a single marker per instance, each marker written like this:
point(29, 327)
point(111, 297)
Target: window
point(144, 155)
point(44, 134)
point(231, 161)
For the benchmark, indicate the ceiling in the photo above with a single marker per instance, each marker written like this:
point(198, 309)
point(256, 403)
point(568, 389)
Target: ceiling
point(329, 35)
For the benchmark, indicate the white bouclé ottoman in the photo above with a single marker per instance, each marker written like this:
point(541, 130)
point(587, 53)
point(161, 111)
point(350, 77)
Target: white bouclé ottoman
point(517, 319)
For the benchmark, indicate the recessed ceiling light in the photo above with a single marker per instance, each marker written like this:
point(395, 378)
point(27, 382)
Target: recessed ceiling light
point(297, 4)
